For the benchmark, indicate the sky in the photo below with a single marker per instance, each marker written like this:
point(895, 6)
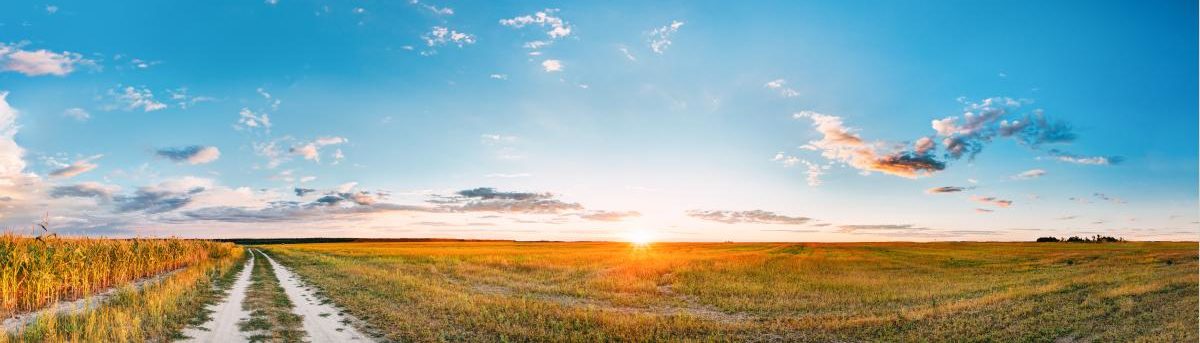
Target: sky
point(676, 120)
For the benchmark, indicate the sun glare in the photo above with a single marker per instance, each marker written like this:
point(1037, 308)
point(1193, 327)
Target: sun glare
point(640, 237)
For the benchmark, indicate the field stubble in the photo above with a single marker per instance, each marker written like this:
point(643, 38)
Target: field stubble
point(513, 291)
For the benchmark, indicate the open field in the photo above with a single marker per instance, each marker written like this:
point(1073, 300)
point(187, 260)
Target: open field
point(512, 291)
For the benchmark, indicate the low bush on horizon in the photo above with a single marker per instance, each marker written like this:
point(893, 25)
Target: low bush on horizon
point(1077, 239)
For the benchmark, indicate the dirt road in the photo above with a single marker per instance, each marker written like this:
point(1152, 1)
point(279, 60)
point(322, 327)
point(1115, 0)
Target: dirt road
point(223, 327)
point(322, 322)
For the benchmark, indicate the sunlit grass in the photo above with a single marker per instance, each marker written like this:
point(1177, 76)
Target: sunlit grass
point(489, 291)
point(156, 312)
point(35, 273)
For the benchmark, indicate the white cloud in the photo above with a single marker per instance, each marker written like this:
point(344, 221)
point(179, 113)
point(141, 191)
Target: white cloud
point(248, 119)
point(1030, 174)
point(51, 9)
point(181, 98)
point(814, 172)
point(312, 150)
point(660, 38)
point(12, 162)
point(492, 138)
point(434, 9)
point(552, 65)
point(786, 160)
point(271, 100)
point(557, 28)
point(503, 146)
point(39, 62)
point(338, 156)
point(133, 99)
point(537, 44)
point(499, 76)
point(77, 113)
point(271, 151)
point(780, 85)
point(440, 35)
point(625, 51)
point(1064, 156)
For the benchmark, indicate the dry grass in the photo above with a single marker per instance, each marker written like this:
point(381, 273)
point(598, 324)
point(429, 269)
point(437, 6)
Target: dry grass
point(504, 291)
point(156, 312)
point(36, 273)
point(271, 317)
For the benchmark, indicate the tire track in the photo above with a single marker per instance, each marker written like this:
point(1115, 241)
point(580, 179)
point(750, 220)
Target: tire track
point(223, 326)
point(322, 322)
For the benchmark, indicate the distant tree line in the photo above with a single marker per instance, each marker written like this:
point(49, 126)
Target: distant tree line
point(1077, 239)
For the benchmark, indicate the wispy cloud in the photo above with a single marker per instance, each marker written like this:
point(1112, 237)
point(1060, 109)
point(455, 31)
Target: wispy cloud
point(132, 98)
point(877, 228)
point(609, 216)
point(1064, 156)
point(946, 189)
point(507, 175)
point(1029, 174)
point(780, 85)
point(503, 146)
point(432, 8)
point(660, 38)
point(812, 170)
point(486, 199)
point(77, 113)
point(184, 100)
point(250, 120)
point(312, 150)
point(1108, 198)
point(992, 201)
point(441, 36)
point(753, 217)
point(76, 168)
point(625, 52)
point(195, 154)
point(85, 190)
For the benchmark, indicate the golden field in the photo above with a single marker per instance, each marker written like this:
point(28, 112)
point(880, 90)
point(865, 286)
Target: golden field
point(36, 274)
point(514, 291)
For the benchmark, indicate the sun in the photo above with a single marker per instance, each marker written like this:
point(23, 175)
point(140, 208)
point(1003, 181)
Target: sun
point(640, 237)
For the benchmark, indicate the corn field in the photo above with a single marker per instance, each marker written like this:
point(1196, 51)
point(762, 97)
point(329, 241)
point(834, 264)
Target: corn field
point(35, 272)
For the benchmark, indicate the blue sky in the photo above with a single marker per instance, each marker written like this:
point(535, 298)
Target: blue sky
point(771, 121)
